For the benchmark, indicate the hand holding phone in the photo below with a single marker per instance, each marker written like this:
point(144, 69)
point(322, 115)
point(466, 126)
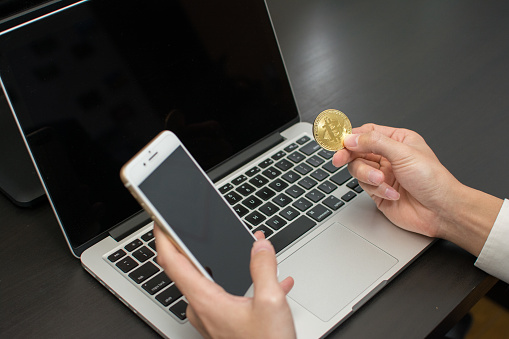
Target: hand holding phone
point(170, 185)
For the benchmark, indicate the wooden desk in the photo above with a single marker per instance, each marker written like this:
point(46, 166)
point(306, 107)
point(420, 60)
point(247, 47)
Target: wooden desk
point(438, 67)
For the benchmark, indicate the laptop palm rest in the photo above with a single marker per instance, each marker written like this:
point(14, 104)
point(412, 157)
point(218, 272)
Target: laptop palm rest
point(327, 281)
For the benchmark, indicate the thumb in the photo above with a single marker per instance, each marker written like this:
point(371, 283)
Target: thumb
point(264, 268)
point(377, 143)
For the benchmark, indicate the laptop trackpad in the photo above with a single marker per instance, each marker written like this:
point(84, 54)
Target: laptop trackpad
point(332, 269)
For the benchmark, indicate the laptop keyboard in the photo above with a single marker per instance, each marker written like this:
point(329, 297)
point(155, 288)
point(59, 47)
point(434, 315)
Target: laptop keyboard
point(290, 192)
point(284, 196)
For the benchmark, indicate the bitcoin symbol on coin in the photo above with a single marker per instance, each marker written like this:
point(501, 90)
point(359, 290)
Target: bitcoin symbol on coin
point(331, 133)
point(330, 128)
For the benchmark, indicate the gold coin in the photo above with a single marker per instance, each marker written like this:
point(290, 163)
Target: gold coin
point(330, 128)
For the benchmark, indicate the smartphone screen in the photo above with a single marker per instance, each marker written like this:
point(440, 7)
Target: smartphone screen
point(200, 217)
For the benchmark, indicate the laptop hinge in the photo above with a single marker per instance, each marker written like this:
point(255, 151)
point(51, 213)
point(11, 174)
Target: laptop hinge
point(127, 227)
point(244, 157)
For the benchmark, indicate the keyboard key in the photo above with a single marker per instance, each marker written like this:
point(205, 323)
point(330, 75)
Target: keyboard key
point(126, 264)
point(303, 168)
point(144, 272)
point(296, 157)
point(157, 283)
point(169, 295)
point(152, 245)
point(326, 154)
point(276, 222)
point(266, 163)
point(239, 180)
point(291, 147)
point(143, 254)
point(179, 309)
point(233, 198)
point(333, 203)
point(341, 177)
point(278, 185)
point(116, 255)
point(319, 174)
point(252, 202)
point(291, 232)
point(241, 210)
point(225, 188)
point(255, 218)
point(315, 161)
point(307, 183)
point(245, 189)
point(278, 155)
point(349, 196)
point(267, 231)
point(282, 200)
point(265, 193)
point(310, 148)
point(148, 236)
point(303, 140)
point(302, 204)
point(358, 189)
point(268, 209)
point(353, 183)
point(133, 245)
point(327, 187)
point(289, 213)
point(329, 167)
point(284, 165)
point(315, 195)
point(319, 213)
point(258, 181)
point(271, 173)
point(291, 176)
point(252, 171)
point(295, 191)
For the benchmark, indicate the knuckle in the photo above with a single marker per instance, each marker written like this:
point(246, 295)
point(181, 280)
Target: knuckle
point(369, 126)
point(273, 300)
point(374, 138)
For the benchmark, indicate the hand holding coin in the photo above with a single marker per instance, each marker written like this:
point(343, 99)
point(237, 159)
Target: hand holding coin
point(330, 128)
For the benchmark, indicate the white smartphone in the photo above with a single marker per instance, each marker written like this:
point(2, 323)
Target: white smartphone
point(179, 196)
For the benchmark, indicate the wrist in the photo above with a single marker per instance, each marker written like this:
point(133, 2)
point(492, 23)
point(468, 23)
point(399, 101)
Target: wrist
point(468, 217)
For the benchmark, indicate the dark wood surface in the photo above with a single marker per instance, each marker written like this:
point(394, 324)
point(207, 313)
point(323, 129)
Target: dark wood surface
point(438, 67)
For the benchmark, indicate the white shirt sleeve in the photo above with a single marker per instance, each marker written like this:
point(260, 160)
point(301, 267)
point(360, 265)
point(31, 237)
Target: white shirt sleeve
point(494, 256)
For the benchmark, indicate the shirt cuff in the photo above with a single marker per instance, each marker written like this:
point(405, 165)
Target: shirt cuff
point(494, 256)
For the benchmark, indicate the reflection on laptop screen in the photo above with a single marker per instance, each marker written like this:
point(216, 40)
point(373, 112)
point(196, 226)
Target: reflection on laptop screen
point(94, 83)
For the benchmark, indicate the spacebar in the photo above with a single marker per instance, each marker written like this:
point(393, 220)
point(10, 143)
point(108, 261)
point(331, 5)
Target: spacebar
point(291, 232)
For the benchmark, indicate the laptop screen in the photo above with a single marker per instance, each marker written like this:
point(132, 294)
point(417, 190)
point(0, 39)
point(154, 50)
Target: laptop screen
point(92, 84)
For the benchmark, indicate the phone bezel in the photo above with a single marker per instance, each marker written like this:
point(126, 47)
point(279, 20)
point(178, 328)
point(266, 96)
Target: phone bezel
point(139, 168)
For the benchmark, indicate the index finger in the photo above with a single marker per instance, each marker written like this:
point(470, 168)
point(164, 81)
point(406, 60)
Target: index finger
point(385, 130)
point(389, 134)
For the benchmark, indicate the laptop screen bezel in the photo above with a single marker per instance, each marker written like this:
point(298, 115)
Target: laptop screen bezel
point(77, 249)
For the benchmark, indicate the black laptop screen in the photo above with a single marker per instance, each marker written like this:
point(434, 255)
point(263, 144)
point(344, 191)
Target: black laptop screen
point(92, 84)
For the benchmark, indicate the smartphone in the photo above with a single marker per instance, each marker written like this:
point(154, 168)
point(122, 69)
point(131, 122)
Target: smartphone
point(179, 196)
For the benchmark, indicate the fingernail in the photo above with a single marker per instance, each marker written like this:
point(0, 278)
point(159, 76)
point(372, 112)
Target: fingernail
point(335, 160)
point(391, 194)
point(375, 177)
point(351, 140)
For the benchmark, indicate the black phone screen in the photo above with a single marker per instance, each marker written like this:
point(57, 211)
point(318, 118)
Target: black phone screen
point(202, 220)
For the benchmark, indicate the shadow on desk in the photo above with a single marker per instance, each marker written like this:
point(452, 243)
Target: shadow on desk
point(490, 316)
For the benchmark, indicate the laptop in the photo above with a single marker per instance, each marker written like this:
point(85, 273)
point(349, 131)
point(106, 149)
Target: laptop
point(91, 83)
